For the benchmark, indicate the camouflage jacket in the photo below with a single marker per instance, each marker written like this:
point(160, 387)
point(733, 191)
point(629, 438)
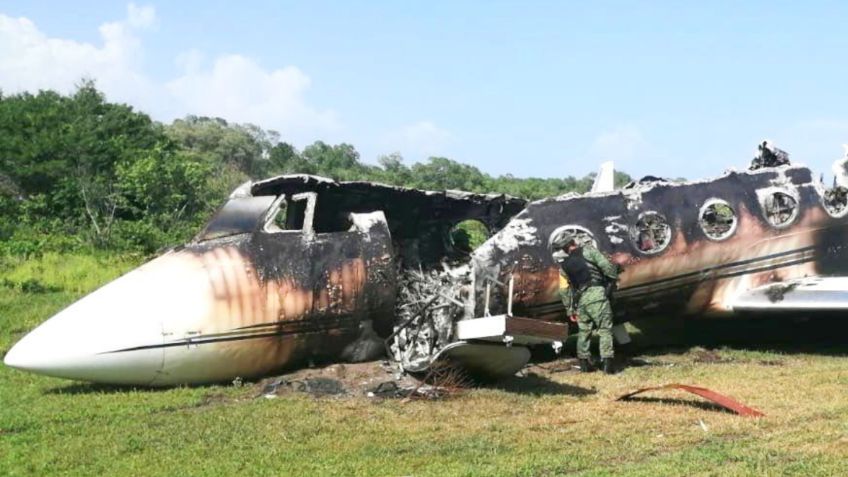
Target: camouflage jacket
point(570, 296)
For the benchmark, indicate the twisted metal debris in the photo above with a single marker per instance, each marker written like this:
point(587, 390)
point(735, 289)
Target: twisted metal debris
point(429, 302)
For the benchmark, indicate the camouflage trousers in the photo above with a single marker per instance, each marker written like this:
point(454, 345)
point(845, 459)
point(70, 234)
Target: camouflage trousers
point(594, 311)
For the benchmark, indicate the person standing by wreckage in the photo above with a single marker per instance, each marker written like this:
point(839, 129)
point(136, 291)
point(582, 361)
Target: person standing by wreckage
point(588, 274)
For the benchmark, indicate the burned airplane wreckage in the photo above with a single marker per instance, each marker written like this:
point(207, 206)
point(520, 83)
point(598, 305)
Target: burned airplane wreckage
point(289, 270)
point(300, 268)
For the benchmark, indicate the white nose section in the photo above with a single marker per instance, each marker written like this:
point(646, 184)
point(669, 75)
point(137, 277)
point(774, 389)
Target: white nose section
point(113, 335)
point(82, 342)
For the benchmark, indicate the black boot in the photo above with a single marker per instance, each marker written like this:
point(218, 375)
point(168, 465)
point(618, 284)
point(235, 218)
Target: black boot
point(586, 366)
point(608, 366)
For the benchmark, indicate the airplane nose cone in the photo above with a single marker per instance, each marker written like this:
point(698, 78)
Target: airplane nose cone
point(114, 334)
point(16, 357)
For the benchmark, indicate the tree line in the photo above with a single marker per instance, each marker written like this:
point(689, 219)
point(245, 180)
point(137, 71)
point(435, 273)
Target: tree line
point(79, 171)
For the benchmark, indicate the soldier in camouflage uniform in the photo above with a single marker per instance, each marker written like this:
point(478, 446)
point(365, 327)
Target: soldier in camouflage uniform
point(586, 272)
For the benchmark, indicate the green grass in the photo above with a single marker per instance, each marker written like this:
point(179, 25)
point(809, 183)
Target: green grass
point(563, 424)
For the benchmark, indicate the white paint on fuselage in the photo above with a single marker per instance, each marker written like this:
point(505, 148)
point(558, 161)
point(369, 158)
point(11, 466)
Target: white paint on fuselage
point(114, 335)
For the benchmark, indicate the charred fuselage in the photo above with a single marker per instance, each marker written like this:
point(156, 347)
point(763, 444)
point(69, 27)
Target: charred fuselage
point(778, 227)
point(300, 268)
point(290, 270)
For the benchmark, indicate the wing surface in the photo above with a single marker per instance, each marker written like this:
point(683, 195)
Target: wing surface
point(804, 294)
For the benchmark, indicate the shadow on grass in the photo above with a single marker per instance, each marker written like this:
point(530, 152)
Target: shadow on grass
point(706, 406)
point(76, 388)
point(95, 388)
point(821, 335)
point(536, 385)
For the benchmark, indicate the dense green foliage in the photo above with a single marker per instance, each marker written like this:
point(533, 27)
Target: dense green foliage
point(77, 171)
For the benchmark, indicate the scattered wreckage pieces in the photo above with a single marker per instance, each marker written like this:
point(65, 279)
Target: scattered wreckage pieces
point(314, 386)
point(720, 399)
point(374, 380)
point(443, 380)
point(428, 304)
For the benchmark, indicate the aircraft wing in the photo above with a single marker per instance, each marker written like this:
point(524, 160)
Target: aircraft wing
point(803, 294)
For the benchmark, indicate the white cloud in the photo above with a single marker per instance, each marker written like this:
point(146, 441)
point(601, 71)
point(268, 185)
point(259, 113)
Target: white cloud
point(420, 140)
point(621, 145)
point(190, 61)
point(141, 17)
point(29, 60)
point(233, 87)
point(815, 142)
point(238, 89)
point(631, 152)
point(826, 125)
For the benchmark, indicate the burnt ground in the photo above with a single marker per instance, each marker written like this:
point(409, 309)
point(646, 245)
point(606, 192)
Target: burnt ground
point(340, 380)
point(380, 380)
point(757, 343)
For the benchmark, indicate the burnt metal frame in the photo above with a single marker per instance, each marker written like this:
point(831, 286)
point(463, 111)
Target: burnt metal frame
point(308, 215)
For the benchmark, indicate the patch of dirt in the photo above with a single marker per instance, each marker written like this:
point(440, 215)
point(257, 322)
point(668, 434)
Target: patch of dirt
point(641, 362)
point(343, 379)
point(213, 399)
point(566, 365)
point(562, 365)
point(701, 355)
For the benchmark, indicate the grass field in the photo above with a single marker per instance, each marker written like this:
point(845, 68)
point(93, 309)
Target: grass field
point(550, 423)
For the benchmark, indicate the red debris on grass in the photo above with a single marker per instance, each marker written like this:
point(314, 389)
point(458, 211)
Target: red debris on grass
point(720, 399)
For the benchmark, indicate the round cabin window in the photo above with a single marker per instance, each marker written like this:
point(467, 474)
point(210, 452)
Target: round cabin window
point(780, 208)
point(835, 201)
point(467, 235)
point(717, 219)
point(651, 234)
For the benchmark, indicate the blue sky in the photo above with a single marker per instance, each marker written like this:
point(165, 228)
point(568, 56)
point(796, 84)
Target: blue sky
point(525, 88)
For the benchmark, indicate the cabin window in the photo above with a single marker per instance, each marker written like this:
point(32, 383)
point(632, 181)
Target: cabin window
point(467, 235)
point(836, 201)
point(286, 215)
point(780, 208)
point(279, 222)
point(652, 233)
point(582, 235)
point(334, 224)
point(717, 219)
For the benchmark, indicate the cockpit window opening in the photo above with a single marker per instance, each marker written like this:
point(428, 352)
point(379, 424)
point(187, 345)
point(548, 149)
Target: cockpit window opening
point(289, 214)
point(652, 233)
point(780, 208)
point(835, 201)
point(717, 219)
point(237, 216)
point(582, 235)
point(467, 235)
point(278, 223)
